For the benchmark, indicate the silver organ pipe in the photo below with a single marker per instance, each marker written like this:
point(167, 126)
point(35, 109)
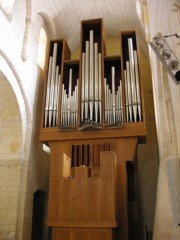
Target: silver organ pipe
point(132, 77)
point(96, 79)
point(69, 107)
point(137, 85)
point(132, 86)
point(52, 91)
point(126, 95)
point(83, 86)
point(76, 101)
point(91, 74)
point(86, 97)
point(63, 107)
point(55, 109)
point(105, 99)
point(121, 102)
point(113, 94)
point(113, 100)
point(129, 90)
point(48, 91)
point(99, 85)
point(53, 73)
point(110, 106)
point(91, 88)
point(69, 100)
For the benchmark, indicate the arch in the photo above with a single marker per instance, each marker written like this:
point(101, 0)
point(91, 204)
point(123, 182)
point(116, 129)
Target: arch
point(11, 150)
point(10, 73)
point(49, 23)
point(10, 123)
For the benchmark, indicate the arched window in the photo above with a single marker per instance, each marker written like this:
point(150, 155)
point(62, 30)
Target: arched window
point(42, 48)
point(7, 6)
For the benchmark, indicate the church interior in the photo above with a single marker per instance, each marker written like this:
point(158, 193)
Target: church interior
point(90, 135)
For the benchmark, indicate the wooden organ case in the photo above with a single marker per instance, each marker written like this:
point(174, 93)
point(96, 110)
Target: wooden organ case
point(93, 119)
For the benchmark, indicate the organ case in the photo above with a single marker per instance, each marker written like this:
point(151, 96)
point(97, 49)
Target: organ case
point(95, 92)
point(89, 104)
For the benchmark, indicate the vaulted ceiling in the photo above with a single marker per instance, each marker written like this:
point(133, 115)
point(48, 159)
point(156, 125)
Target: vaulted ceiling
point(63, 17)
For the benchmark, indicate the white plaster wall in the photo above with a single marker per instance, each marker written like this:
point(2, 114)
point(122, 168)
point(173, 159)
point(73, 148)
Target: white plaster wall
point(29, 163)
point(163, 18)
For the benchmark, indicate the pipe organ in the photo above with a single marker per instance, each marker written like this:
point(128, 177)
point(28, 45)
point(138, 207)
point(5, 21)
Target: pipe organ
point(92, 120)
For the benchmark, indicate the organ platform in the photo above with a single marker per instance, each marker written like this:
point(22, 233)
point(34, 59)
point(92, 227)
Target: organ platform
point(93, 119)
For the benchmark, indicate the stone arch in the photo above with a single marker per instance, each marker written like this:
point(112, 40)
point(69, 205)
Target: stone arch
point(50, 25)
point(12, 77)
point(10, 123)
point(14, 123)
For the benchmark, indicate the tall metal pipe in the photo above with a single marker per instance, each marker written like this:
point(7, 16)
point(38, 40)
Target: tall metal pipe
point(137, 84)
point(86, 97)
point(83, 86)
point(100, 88)
point(132, 77)
point(48, 91)
point(52, 82)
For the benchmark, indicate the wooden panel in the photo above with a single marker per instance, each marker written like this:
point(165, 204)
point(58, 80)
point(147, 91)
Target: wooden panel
point(107, 163)
point(94, 199)
point(60, 166)
point(54, 200)
point(108, 202)
point(67, 201)
point(55, 165)
point(59, 234)
point(81, 235)
point(95, 172)
point(102, 234)
point(81, 172)
point(81, 199)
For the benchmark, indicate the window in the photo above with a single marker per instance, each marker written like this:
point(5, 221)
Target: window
point(7, 6)
point(42, 48)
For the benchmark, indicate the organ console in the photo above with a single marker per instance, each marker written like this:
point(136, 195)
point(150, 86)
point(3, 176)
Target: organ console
point(93, 119)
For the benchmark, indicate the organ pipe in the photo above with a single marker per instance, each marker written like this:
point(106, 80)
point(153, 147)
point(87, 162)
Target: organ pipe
point(96, 86)
point(113, 94)
point(69, 108)
point(48, 91)
point(129, 90)
point(99, 85)
point(83, 86)
point(86, 80)
point(113, 100)
point(132, 87)
point(91, 88)
point(137, 85)
point(132, 78)
point(52, 91)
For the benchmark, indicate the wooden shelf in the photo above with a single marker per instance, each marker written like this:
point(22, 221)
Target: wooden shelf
point(129, 130)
